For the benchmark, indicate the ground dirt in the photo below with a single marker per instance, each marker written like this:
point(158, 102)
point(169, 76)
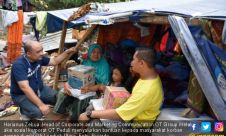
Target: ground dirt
point(16, 116)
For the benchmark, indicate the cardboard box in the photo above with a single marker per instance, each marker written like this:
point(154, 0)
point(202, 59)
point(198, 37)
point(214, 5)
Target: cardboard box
point(115, 97)
point(81, 75)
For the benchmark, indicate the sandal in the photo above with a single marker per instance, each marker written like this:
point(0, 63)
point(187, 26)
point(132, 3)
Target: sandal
point(9, 111)
point(6, 105)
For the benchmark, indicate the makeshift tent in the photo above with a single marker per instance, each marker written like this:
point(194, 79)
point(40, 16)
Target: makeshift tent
point(211, 9)
point(157, 12)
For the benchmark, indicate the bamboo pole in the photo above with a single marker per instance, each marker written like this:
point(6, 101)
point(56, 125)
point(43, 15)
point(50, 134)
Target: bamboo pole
point(61, 49)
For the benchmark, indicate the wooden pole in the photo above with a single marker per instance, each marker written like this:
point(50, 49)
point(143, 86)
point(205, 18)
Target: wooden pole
point(61, 49)
point(57, 70)
point(163, 20)
point(87, 33)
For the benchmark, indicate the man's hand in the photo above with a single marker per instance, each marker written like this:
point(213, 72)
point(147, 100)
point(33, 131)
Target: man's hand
point(70, 50)
point(85, 89)
point(83, 118)
point(67, 88)
point(30, 94)
point(57, 60)
point(44, 109)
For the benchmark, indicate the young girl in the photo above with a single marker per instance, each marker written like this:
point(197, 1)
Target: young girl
point(119, 76)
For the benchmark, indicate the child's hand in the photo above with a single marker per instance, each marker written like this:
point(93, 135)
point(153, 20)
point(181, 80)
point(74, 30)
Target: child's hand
point(102, 88)
point(85, 89)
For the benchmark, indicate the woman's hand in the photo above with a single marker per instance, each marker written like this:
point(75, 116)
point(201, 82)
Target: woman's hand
point(85, 89)
point(67, 88)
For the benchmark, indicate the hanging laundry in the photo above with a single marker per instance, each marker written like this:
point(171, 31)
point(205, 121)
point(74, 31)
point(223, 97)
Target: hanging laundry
point(15, 32)
point(19, 3)
point(163, 43)
point(9, 17)
point(33, 23)
point(1, 20)
point(116, 32)
point(41, 24)
point(27, 6)
point(28, 16)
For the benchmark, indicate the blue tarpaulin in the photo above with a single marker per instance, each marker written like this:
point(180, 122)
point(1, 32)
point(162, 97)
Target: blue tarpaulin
point(204, 63)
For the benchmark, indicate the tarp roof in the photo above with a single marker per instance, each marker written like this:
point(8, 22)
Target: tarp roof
point(214, 9)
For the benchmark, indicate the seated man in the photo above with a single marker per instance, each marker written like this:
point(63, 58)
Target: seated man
point(147, 95)
point(27, 89)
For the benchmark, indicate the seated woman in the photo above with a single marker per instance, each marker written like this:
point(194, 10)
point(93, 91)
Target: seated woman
point(96, 60)
point(65, 102)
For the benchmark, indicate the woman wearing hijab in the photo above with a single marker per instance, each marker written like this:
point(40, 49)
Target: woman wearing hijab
point(102, 76)
point(96, 60)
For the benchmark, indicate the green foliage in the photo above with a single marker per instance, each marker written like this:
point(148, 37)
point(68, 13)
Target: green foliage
point(64, 4)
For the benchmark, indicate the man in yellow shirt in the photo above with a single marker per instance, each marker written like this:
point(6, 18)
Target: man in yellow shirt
point(147, 95)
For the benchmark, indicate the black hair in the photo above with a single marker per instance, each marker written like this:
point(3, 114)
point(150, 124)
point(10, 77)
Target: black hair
point(147, 55)
point(123, 71)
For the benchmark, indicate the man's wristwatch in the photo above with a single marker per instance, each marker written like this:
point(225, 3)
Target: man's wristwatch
point(88, 114)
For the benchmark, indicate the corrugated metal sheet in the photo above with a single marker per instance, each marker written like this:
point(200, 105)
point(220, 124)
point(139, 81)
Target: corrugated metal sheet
point(52, 40)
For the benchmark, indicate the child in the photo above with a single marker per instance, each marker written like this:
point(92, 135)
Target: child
point(119, 76)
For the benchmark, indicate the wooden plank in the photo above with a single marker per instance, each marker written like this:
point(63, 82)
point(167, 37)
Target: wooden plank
point(88, 32)
point(198, 65)
point(163, 20)
point(155, 20)
point(57, 70)
point(60, 50)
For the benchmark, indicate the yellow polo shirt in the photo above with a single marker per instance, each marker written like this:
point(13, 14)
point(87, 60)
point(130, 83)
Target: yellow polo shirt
point(144, 103)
